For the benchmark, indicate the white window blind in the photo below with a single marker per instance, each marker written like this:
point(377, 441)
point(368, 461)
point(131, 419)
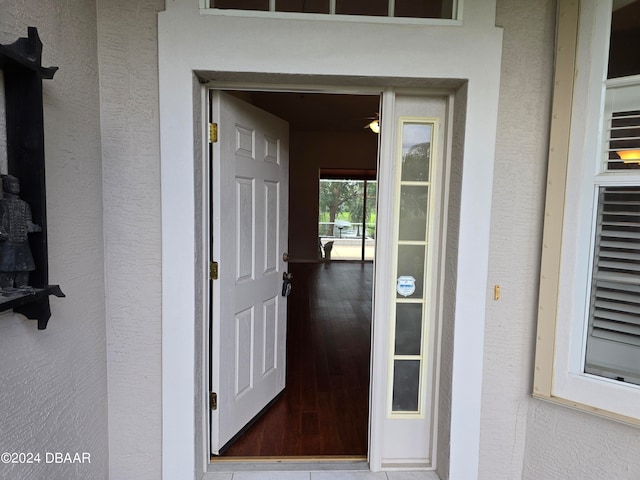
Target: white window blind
point(623, 130)
point(613, 343)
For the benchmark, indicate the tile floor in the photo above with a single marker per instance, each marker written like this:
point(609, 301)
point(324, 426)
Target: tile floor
point(328, 475)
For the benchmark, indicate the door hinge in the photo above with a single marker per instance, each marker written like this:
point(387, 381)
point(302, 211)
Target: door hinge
point(213, 401)
point(213, 132)
point(213, 270)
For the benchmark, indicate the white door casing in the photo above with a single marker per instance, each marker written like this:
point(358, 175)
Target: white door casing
point(406, 438)
point(249, 237)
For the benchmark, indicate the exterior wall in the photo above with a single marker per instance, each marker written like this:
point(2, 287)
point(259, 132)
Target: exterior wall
point(308, 152)
point(563, 443)
point(53, 393)
point(54, 386)
point(127, 48)
point(522, 437)
point(516, 232)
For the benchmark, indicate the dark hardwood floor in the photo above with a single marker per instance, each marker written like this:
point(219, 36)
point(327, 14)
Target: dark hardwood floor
point(324, 410)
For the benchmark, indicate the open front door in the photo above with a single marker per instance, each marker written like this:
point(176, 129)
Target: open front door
point(249, 193)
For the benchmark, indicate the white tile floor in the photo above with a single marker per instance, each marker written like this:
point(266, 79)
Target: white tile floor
point(329, 475)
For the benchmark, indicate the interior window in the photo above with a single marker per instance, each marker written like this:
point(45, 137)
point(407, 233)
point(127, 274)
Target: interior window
point(347, 217)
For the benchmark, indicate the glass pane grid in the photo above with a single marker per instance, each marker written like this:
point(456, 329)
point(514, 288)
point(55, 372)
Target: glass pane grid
point(405, 9)
point(409, 319)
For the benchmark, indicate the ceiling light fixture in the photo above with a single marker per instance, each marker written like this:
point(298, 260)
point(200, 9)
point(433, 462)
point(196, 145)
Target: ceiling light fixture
point(629, 156)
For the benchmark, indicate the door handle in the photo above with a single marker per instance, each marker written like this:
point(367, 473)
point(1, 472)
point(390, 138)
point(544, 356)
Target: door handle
point(285, 257)
point(287, 278)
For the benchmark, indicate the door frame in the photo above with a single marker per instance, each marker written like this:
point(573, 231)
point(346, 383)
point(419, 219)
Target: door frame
point(382, 281)
point(192, 51)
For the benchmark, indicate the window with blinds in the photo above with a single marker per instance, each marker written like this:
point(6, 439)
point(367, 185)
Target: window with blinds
point(613, 340)
point(613, 346)
point(624, 141)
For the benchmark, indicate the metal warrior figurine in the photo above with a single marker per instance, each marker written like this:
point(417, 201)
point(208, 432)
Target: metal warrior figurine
point(16, 260)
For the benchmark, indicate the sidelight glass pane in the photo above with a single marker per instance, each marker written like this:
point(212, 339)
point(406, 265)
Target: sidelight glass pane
point(414, 205)
point(411, 264)
point(303, 6)
point(416, 151)
point(242, 4)
point(376, 8)
point(408, 328)
point(406, 385)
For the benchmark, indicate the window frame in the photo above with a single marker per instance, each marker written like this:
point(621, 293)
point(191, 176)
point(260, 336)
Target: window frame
point(429, 315)
point(206, 9)
point(576, 143)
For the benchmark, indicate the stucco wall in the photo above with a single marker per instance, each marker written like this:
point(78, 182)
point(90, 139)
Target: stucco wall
point(522, 437)
point(516, 230)
point(127, 48)
point(53, 394)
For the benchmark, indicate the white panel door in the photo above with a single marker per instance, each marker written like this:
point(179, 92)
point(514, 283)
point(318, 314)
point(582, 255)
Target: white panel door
point(249, 192)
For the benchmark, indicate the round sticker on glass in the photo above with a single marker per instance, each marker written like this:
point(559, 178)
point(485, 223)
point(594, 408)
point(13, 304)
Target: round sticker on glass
point(406, 285)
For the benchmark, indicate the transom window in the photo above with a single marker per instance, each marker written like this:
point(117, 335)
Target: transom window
point(436, 9)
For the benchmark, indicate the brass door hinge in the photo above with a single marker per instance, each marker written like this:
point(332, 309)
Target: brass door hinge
point(213, 401)
point(213, 270)
point(213, 132)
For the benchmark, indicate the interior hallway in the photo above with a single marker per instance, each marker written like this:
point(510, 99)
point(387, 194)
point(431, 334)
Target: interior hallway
point(325, 408)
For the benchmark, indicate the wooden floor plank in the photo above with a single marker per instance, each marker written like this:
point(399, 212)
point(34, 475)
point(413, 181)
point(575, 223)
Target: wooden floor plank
point(325, 408)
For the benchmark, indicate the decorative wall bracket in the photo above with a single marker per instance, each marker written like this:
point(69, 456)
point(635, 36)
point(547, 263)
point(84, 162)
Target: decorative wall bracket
point(21, 63)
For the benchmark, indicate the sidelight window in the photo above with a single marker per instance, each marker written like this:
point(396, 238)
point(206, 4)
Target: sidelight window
point(413, 258)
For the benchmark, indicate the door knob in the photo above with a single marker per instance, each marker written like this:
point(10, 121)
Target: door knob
point(285, 257)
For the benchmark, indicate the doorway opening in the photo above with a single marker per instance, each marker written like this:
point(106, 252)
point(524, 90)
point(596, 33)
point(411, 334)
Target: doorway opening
point(347, 215)
point(323, 412)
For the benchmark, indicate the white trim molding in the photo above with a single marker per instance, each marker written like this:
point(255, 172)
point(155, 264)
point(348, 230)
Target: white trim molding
point(303, 52)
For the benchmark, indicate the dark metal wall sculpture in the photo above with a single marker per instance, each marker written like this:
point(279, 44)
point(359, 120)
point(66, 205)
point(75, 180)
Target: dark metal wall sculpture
point(21, 63)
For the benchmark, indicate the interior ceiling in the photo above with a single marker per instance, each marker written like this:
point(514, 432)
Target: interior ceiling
point(626, 15)
point(318, 111)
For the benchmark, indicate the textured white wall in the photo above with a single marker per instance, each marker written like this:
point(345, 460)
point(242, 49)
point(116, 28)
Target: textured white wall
point(127, 48)
point(522, 437)
point(516, 229)
point(53, 394)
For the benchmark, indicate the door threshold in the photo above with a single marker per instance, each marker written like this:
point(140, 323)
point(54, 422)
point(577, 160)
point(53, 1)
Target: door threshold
point(304, 463)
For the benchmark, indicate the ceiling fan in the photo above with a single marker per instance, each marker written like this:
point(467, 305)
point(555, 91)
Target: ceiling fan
point(374, 123)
